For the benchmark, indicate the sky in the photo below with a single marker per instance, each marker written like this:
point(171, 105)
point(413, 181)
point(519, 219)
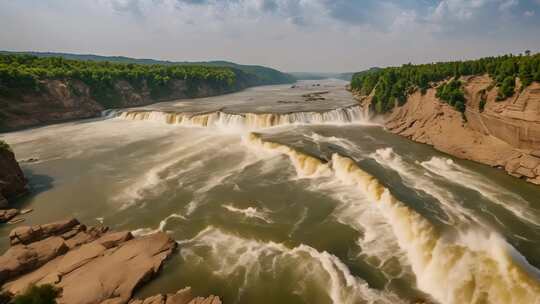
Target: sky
point(290, 35)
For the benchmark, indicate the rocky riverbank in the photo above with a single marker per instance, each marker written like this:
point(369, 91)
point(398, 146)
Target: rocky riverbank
point(89, 264)
point(499, 133)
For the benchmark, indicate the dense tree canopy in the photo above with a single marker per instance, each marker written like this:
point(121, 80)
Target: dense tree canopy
point(452, 93)
point(22, 73)
point(393, 84)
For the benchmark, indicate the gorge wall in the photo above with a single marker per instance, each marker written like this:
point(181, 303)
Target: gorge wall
point(67, 99)
point(12, 180)
point(37, 90)
point(501, 133)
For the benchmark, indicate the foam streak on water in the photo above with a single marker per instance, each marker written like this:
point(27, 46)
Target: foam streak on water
point(416, 178)
point(496, 194)
point(249, 212)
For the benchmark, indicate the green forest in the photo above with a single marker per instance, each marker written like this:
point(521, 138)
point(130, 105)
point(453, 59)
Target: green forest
point(21, 74)
point(259, 75)
point(392, 85)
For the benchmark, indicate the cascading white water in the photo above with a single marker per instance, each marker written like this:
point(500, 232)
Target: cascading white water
point(234, 256)
point(351, 114)
point(470, 266)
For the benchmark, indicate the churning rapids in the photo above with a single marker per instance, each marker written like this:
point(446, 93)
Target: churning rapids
point(290, 195)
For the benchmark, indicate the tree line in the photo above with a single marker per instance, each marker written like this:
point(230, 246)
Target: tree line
point(392, 85)
point(23, 74)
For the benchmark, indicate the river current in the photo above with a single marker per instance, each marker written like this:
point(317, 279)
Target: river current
point(287, 194)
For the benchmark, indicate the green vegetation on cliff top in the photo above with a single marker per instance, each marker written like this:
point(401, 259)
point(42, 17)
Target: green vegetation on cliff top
point(22, 74)
point(261, 75)
point(392, 85)
point(4, 145)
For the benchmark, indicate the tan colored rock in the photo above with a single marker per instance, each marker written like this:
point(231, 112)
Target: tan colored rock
point(21, 259)
point(535, 181)
point(26, 234)
point(529, 162)
point(95, 267)
point(114, 239)
point(8, 214)
point(183, 296)
point(525, 172)
point(502, 135)
point(535, 153)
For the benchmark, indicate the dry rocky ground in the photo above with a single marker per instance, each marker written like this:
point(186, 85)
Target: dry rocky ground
point(91, 265)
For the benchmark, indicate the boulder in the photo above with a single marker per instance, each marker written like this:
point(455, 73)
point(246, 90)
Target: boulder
point(529, 162)
point(525, 172)
point(27, 234)
point(8, 214)
point(12, 180)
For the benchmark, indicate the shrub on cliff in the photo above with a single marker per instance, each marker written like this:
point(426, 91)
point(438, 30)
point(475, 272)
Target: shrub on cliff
point(452, 93)
point(23, 73)
point(4, 146)
point(507, 88)
point(43, 294)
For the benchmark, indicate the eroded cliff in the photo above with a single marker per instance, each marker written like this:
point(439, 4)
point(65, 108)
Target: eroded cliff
point(502, 133)
point(12, 181)
point(67, 99)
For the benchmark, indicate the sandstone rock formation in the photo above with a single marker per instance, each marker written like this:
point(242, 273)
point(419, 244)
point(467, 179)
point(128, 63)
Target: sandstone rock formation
point(91, 265)
point(183, 296)
point(504, 134)
point(12, 180)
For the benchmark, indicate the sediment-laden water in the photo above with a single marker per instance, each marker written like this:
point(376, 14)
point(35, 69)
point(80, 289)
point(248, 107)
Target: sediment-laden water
point(278, 197)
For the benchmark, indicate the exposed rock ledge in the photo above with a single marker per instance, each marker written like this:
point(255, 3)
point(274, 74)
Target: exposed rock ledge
point(90, 264)
point(504, 134)
point(12, 180)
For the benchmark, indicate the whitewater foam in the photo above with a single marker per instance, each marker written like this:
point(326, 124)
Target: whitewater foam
point(469, 266)
point(160, 228)
point(249, 212)
point(417, 178)
point(494, 193)
point(242, 121)
point(232, 256)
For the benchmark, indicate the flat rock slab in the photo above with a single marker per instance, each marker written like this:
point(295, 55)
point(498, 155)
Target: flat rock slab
point(183, 296)
point(91, 265)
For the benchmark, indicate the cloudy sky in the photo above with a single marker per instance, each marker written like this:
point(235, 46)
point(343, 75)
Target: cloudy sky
point(291, 35)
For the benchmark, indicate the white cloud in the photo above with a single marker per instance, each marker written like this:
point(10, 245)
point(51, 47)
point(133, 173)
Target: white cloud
point(508, 4)
point(327, 35)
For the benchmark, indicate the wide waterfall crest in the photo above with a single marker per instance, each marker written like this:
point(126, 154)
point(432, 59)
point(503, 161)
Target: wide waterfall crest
point(222, 119)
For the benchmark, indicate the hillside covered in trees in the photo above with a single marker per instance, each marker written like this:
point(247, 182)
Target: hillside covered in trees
point(36, 90)
point(392, 85)
point(261, 75)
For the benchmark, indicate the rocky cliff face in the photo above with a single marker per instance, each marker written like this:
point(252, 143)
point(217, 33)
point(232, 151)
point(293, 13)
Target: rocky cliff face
point(63, 100)
point(504, 133)
point(12, 180)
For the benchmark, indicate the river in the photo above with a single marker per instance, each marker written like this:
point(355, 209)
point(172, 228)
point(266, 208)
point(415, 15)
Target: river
point(285, 194)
